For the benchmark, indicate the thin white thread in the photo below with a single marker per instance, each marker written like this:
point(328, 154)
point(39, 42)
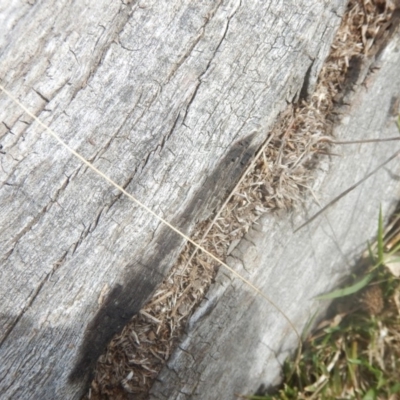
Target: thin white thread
point(122, 190)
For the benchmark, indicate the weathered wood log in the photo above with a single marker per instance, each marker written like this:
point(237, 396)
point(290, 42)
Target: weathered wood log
point(170, 100)
point(235, 342)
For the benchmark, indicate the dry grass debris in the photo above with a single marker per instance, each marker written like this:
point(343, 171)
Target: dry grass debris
point(372, 300)
point(277, 180)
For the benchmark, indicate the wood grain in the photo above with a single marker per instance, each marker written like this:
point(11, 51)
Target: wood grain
point(235, 342)
point(170, 99)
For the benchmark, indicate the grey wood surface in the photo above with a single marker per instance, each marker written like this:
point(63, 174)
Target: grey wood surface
point(236, 342)
point(170, 99)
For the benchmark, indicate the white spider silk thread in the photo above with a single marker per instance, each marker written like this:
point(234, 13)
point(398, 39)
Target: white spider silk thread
point(165, 222)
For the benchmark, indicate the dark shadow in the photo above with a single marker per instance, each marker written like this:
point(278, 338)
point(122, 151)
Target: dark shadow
point(125, 301)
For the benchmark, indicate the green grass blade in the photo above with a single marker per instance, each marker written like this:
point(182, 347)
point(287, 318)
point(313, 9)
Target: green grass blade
point(395, 388)
point(309, 325)
point(370, 395)
point(395, 249)
point(371, 253)
point(347, 290)
point(380, 237)
point(390, 258)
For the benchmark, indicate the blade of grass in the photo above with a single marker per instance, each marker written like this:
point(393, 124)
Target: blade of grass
point(371, 253)
point(347, 290)
point(395, 388)
point(380, 237)
point(309, 325)
point(337, 198)
point(370, 395)
point(394, 250)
